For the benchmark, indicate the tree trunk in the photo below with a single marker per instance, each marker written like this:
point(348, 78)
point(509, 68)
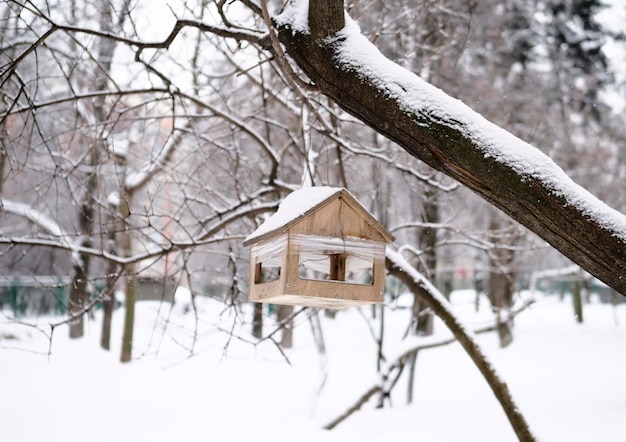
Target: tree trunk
point(108, 303)
point(257, 321)
point(380, 358)
point(422, 318)
point(500, 291)
point(502, 276)
point(284, 318)
point(410, 387)
point(325, 17)
point(542, 205)
point(80, 280)
point(577, 299)
point(77, 298)
point(79, 294)
point(131, 283)
point(129, 318)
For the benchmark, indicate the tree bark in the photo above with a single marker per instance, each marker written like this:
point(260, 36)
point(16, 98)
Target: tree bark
point(325, 17)
point(446, 146)
point(79, 293)
point(577, 299)
point(501, 277)
point(283, 316)
point(129, 318)
point(108, 303)
point(125, 244)
point(428, 244)
point(257, 321)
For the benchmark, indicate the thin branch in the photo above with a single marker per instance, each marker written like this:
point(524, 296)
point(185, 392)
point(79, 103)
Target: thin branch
point(354, 408)
point(282, 60)
point(85, 96)
point(398, 365)
point(156, 251)
point(282, 324)
point(42, 220)
point(180, 24)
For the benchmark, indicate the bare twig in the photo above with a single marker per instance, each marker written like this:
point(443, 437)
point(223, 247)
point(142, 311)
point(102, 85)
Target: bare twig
point(280, 54)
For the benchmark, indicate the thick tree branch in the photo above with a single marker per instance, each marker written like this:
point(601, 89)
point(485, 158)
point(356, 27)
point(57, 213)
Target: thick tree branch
point(451, 138)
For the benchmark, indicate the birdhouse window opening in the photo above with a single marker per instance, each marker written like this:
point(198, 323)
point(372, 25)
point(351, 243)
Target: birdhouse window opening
point(348, 260)
point(264, 273)
point(268, 260)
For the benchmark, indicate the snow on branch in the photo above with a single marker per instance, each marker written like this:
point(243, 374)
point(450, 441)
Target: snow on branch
point(411, 347)
point(138, 178)
point(33, 215)
point(433, 298)
point(42, 220)
point(416, 97)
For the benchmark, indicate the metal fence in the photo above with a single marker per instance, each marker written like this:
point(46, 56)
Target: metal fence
point(41, 295)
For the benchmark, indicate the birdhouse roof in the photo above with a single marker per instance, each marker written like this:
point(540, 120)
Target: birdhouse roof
point(303, 203)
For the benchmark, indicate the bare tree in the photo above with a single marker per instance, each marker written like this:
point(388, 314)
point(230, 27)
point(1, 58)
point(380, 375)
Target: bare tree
point(180, 145)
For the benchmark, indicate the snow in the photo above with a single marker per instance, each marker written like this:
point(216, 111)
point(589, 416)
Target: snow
point(566, 377)
point(114, 199)
point(189, 383)
point(296, 16)
point(295, 205)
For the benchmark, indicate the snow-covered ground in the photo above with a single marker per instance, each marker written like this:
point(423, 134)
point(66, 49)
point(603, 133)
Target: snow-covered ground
point(568, 379)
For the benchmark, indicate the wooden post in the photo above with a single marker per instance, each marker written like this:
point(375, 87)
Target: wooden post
point(337, 267)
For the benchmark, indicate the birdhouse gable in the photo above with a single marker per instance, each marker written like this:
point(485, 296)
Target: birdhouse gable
point(323, 211)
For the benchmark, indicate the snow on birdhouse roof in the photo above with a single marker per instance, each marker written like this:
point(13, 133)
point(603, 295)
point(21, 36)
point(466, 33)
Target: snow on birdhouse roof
point(297, 205)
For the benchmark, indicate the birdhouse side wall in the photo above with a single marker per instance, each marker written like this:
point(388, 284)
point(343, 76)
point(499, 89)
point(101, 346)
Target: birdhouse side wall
point(339, 291)
point(273, 252)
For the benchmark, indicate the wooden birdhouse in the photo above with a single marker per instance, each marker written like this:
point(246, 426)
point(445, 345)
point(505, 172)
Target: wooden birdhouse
point(322, 248)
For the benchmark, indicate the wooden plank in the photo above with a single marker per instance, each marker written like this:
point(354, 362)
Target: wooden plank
point(346, 214)
point(337, 267)
point(338, 220)
point(258, 291)
point(308, 301)
point(373, 293)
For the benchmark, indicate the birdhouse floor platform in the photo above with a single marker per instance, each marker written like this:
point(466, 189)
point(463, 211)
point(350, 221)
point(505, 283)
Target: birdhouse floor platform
point(314, 302)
